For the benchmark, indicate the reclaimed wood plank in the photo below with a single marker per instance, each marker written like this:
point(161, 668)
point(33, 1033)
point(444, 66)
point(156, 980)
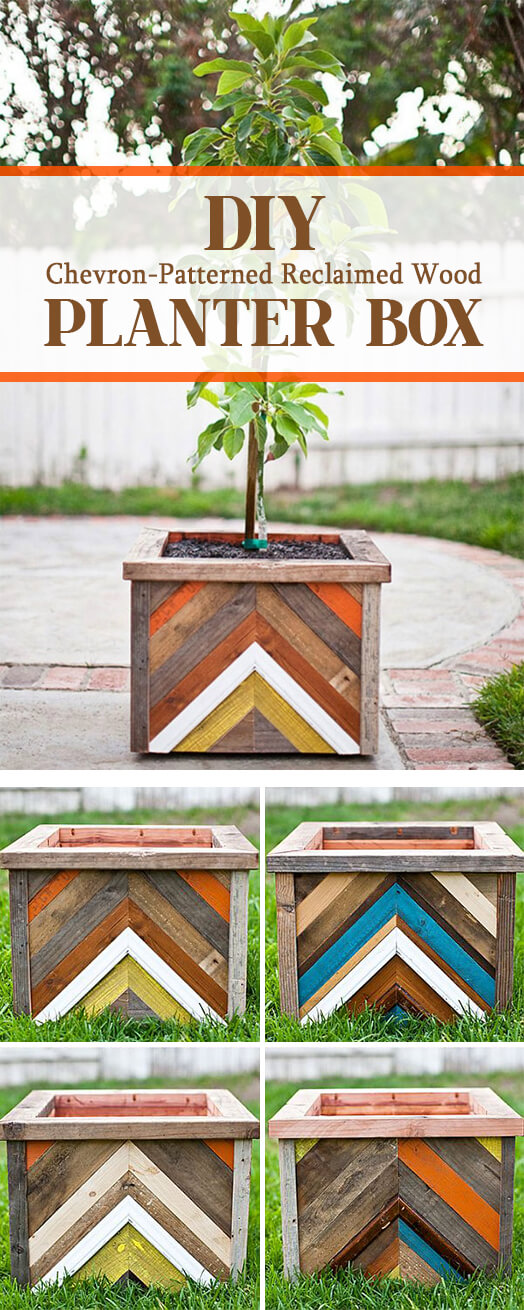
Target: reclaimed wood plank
point(240, 1206)
point(18, 1221)
point(20, 962)
point(288, 1194)
point(139, 740)
point(237, 959)
point(287, 944)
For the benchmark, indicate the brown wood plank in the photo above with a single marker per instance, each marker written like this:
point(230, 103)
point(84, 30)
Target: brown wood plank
point(139, 666)
point(18, 1223)
point(444, 1221)
point(506, 891)
point(341, 640)
point(287, 944)
point(96, 897)
point(507, 1181)
point(199, 1173)
point(59, 1173)
point(18, 913)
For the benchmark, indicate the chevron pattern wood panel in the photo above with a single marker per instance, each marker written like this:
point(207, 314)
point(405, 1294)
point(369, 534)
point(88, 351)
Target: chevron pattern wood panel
point(424, 944)
point(150, 1212)
point(245, 667)
point(405, 1208)
point(143, 943)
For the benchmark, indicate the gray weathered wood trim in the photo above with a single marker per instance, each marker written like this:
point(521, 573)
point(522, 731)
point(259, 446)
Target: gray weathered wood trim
point(237, 961)
point(288, 1195)
point(370, 669)
point(140, 666)
point(507, 1178)
point(240, 1209)
point(20, 962)
point(18, 1215)
point(506, 891)
point(287, 943)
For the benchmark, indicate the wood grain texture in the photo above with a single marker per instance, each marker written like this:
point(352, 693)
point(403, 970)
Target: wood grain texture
point(18, 1220)
point(20, 966)
point(310, 619)
point(185, 1198)
point(403, 1207)
point(139, 666)
point(374, 925)
point(288, 1196)
point(73, 928)
point(287, 944)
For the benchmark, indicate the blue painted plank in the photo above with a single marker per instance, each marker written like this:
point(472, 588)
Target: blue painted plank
point(396, 901)
point(426, 1253)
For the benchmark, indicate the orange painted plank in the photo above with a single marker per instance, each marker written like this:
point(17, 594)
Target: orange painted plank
point(210, 889)
point(33, 1151)
point(48, 893)
point(447, 1184)
point(343, 604)
point(172, 604)
point(225, 1150)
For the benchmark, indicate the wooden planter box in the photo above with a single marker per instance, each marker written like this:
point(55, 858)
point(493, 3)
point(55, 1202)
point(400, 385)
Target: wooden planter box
point(416, 1184)
point(418, 918)
point(151, 1187)
point(147, 920)
point(253, 656)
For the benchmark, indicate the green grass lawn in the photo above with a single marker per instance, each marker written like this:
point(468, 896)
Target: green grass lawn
point(108, 1026)
point(500, 708)
point(345, 1290)
point(371, 1024)
point(483, 513)
point(94, 1294)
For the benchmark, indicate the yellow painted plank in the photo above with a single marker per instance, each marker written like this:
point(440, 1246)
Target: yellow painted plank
point(289, 723)
point(129, 1252)
point(303, 1146)
point(129, 974)
point(226, 715)
point(254, 691)
point(493, 1145)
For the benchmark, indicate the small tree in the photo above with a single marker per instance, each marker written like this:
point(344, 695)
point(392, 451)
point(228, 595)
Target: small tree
point(276, 415)
point(274, 101)
point(275, 105)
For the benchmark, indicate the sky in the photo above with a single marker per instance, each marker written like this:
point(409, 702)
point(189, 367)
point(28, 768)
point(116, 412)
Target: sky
point(98, 145)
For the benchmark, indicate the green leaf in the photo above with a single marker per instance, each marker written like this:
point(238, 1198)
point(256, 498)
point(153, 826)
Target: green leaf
point(286, 427)
point(324, 146)
point(295, 33)
point(223, 66)
point(256, 32)
point(200, 391)
point(307, 389)
point(199, 141)
point(241, 408)
point(318, 413)
point(230, 81)
point(244, 127)
point(233, 440)
point(301, 416)
point(312, 89)
point(208, 437)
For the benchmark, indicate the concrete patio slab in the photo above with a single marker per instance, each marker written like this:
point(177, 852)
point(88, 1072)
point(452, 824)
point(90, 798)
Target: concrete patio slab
point(453, 615)
point(64, 601)
point(90, 730)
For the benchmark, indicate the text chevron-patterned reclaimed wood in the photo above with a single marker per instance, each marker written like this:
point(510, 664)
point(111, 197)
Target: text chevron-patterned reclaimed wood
point(256, 655)
point(144, 920)
point(416, 919)
point(405, 1184)
point(136, 1186)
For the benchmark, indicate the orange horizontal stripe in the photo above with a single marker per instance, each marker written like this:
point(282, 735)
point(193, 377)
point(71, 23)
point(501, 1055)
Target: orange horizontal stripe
point(246, 170)
point(225, 1150)
point(451, 1188)
point(48, 893)
point(33, 1151)
point(172, 605)
point(210, 889)
point(341, 602)
point(370, 376)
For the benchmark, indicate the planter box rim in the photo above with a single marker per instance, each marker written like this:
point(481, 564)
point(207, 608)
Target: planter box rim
point(219, 1114)
point(334, 847)
point(473, 1112)
point(147, 563)
point(56, 845)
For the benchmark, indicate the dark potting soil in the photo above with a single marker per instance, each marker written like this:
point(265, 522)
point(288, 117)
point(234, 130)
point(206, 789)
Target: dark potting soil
point(196, 547)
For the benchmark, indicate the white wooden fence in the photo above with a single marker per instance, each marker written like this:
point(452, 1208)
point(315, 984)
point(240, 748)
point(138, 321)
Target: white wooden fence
point(53, 800)
point(300, 1063)
point(55, 1063)
point(118, 435)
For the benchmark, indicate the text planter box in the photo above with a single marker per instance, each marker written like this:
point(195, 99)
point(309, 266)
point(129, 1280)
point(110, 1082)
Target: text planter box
point(255, 656)
point(151, 1186)
point(412, 1184)
point(148, 920)
point(417, 918)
